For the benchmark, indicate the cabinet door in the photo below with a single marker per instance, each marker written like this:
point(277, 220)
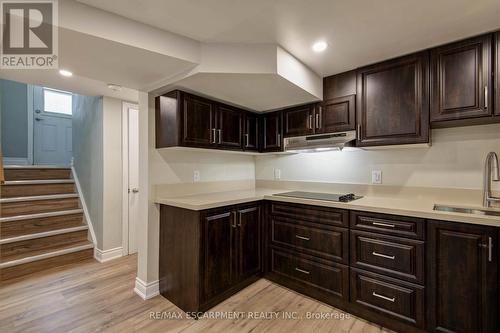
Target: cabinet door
point(497, 74)
point(461, 80)
point(462, 278)
point(271, 127)
point(298, 121)
point(337, 113)
point(251, 132)
point(249, 242)
point(392, 102)
point(219, 253)
point(229, 127)
point(198, 118)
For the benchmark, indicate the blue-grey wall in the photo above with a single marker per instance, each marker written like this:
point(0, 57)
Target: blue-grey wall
point(88, 156)
point(14, 118)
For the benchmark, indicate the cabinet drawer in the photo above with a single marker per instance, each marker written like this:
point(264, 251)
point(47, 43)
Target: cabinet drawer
point(398, 257)
point(316, 214)
point(329, 242)
point(326, 277)
point(403, 226)
point(398, 299)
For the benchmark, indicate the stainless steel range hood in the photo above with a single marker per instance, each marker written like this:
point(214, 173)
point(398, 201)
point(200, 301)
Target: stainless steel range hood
point(319, 142)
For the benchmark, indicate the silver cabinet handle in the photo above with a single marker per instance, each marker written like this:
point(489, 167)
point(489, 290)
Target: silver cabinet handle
point(390, 299)
point(233, 224)
point(383, 255)
point(486, 97)
point(317, 119)
point(247, 139)
point(488, 246)
point(278, 137)
point(310, 122)
point(301, 270)
point(220, 135)
point(214, 135)
point(302, 237)
point(359, 132)
point(380, 224)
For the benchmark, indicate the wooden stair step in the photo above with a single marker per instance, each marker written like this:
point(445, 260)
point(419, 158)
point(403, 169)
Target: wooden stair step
point(27, 226)
point(16, 248)
point(62, 256)
point(36, 172)
point(40, 204)
point(26, 188)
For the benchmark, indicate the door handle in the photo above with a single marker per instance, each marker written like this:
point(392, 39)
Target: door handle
point(37, 111)
point(38, 119)
point(135, 190)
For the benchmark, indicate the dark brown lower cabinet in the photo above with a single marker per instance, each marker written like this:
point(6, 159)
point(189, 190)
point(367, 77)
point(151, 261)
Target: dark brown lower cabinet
point(206, 256)
point(462, 292)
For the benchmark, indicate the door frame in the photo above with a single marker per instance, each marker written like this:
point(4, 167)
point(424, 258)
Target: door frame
point(125, 167)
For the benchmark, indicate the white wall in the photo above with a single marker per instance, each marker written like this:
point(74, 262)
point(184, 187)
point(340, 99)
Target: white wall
point(455, 159)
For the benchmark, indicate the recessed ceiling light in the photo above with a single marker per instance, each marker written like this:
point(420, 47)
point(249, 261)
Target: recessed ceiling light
point(319, 46)
point(66, 73)
point(115, 87)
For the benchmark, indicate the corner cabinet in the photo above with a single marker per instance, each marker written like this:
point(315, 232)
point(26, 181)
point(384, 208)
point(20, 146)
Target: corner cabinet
point(392, 102)
point(461, 80)
point(186, 120)
point(298, 121)
point(206, 256)
point(462, 292)
point(251, 132)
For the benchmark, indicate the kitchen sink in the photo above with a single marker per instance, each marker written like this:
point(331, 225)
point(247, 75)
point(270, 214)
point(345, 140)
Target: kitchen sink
point(476, 211)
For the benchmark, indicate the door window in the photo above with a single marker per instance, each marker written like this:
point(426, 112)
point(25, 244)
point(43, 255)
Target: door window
point(57, 101)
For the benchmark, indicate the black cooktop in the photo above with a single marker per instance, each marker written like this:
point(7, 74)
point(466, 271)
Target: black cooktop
point(320, 196)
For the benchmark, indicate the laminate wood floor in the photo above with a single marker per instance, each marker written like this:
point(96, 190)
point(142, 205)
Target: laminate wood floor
point(93, 297)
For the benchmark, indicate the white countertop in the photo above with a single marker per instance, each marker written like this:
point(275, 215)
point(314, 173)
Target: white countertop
point(416, 207)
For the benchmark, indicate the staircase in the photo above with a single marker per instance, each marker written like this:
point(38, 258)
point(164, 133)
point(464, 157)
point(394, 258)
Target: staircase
point(41, 221)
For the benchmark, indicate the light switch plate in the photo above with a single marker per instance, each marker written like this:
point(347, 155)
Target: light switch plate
point(277, 174)
point(196, 176)
point(376, 177)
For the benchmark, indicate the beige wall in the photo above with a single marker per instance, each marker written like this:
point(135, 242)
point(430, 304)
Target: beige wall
point(112, 173)
point(455, 159)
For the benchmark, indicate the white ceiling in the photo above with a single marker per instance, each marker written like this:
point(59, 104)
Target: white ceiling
point(359, 32)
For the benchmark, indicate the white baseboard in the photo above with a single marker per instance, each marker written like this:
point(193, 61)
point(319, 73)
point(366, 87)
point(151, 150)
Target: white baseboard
point(107, 255)
point(15, 161)
point(146, 290)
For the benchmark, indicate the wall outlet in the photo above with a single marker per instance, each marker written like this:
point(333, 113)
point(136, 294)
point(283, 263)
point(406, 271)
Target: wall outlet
point(277, 174)
point(376, 177)
point(196, 176)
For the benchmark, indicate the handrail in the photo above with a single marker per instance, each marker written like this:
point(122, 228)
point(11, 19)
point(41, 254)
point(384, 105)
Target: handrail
point(2, 177)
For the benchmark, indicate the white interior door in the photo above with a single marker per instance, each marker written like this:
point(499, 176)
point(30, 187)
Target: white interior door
point(52, 127)
point(131, 173)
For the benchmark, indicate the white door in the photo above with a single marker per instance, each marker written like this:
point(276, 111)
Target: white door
point(52, 128)
point(131, 172)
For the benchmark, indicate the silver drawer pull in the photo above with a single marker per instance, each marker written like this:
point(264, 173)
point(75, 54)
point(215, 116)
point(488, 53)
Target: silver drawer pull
point(384, 297)
point(383, 255)
point(384, 224)
point(301, 270)
point(302, 237)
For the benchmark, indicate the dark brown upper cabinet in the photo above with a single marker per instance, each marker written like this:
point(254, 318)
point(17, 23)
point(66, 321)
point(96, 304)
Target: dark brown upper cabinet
point(497, 74)
point(198, 120)
point(461, 80)
point(229, 127)
point(337, 113)
point(251, 131)
point(298, 121)
point(272, 136)
point(392, 102)
point(462, 284)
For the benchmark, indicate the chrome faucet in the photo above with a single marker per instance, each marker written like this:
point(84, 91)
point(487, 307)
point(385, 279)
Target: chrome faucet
point(491, 172)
